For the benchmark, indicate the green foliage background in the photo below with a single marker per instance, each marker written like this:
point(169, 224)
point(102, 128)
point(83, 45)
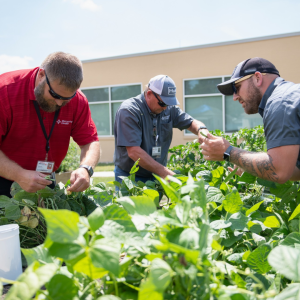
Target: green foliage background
point(72, 159)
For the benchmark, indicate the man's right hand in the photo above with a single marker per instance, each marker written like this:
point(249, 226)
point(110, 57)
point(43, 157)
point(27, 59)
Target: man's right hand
point(32, 181)
point(166, 172)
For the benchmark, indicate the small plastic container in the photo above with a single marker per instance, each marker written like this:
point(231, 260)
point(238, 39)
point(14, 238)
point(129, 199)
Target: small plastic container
point(10, 252)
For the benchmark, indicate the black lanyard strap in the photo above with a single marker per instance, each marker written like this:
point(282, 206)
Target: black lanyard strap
point(37, 109)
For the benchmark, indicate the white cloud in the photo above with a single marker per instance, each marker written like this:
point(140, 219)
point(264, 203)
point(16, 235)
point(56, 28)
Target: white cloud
point(11, 63)
point(86, 4)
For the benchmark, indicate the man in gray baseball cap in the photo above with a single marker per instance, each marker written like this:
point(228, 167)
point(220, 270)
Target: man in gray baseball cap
point(144, 128)
point(258, 87)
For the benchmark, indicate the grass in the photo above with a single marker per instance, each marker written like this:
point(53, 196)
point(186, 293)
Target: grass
point(104, 167)
point(105, 180)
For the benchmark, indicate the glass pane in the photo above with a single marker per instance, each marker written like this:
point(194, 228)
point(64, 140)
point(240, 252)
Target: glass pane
point(125, 92)
point(226, 78)
point(100, 115)
point(94, 95)
point(114, 108)
point(236, 118)
point(207, 110)
point(202, 86)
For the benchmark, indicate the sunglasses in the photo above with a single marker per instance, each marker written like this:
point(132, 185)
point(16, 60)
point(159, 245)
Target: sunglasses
point(54, 95)
point(235, 91)
point(160, 103)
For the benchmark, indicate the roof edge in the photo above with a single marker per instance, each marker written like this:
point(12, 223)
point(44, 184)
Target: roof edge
point(268, 37)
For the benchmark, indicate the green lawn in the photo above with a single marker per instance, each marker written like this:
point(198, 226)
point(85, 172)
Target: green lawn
point(105, 180)
point(103, 167)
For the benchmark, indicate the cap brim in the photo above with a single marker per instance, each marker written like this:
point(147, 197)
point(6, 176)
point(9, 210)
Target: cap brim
point(169, 100)
point(226, 87)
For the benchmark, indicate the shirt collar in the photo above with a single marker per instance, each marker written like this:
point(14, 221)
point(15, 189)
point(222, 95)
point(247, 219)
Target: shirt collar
point(267, 94)
point(32, 84)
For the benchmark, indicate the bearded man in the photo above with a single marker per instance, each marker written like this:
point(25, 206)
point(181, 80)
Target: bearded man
point(40, 110)
point(258, 87)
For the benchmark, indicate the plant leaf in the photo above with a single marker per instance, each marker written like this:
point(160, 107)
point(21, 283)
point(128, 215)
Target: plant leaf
point(286, 260)
point(96, 219)
point(61, 287)
point(253, 208)
point(233, 202)
point(295, 213)
point(258, 259)
point(61, 224)
point(292, 239)
point(105, 254)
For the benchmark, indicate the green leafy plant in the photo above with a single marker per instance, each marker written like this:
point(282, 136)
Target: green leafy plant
point(72, 160)
point(220, 236)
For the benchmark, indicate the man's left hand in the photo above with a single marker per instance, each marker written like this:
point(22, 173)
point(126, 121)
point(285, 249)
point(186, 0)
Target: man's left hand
point(213, 147)
point(80, 180)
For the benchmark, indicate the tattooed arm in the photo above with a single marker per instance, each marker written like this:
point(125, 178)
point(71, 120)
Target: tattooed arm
point(277, 165)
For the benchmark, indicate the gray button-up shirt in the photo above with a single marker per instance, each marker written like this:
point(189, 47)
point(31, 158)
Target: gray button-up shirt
point(280, 109)
point(134, 125)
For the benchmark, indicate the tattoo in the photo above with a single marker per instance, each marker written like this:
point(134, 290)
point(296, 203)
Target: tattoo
point(257, 164)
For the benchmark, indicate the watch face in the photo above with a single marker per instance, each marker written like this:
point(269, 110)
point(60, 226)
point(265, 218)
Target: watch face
point(226, 156)
point(90, 170)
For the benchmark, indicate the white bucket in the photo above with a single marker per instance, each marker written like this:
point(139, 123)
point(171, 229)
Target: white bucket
point(10, 252)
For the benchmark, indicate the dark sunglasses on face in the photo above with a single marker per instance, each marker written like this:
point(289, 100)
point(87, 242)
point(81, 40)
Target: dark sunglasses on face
point(53, 94)
point(234, 88)
point(160, 103)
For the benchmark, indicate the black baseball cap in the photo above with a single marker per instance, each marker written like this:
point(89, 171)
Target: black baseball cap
point(244, 68)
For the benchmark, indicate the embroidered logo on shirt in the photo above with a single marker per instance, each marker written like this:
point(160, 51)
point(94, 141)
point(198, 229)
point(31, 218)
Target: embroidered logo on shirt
point(165, 118)
point(64, 122)
point(171, 91)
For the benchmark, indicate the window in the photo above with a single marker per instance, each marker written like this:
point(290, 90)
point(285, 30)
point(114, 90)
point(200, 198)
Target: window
point(104, 103)
point(204, 102)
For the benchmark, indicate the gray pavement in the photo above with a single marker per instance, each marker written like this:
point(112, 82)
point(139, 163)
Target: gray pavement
point(104, 174)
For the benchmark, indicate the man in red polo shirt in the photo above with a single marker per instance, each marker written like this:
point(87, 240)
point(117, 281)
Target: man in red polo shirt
point(40, 109)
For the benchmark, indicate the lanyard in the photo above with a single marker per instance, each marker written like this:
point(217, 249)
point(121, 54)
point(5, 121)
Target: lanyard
point(154, 121)
point(36, 106)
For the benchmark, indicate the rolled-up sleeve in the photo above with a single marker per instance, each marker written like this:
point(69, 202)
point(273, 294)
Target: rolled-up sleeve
point(5, 115)
point(282, 120)
point(181, 120)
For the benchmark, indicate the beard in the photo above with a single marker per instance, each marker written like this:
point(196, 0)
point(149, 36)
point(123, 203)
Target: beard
point(46, 105)
point(254, 99)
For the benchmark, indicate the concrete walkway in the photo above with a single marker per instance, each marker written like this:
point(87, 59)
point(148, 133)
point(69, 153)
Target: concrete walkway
point(104, 174)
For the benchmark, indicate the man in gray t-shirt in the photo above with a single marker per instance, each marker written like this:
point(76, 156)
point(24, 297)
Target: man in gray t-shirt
point(256, 84)
point(144, 129)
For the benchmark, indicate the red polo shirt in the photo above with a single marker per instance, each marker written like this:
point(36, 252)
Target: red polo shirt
point(21, 136)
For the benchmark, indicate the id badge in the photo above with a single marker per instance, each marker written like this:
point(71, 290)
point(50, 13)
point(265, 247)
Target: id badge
point(156, 152)
point(45, 166)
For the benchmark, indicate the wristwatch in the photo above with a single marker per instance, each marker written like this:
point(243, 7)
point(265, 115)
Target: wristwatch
point(226, 154)
point(202, 127)
point(88, 168)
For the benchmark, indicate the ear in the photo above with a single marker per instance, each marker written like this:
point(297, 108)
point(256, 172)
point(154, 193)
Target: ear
point(148, 93)
point(258, 79)
point(40, 76)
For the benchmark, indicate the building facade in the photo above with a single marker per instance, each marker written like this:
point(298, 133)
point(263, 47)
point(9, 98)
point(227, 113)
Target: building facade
point(196, 71)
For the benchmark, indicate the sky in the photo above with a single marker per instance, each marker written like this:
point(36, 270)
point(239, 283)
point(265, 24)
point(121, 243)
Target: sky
point(89, 29)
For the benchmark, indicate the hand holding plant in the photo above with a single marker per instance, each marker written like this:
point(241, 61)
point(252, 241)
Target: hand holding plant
point(239, 172)
point(213, 147)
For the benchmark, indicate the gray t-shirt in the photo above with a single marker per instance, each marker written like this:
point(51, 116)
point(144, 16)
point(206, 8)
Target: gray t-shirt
point(134, 126)
point(280, 109)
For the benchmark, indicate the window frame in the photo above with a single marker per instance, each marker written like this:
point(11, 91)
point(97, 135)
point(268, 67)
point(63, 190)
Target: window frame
point(188, 134)
point(109, 101)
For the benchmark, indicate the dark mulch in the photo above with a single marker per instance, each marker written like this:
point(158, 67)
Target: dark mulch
point(5, 290)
